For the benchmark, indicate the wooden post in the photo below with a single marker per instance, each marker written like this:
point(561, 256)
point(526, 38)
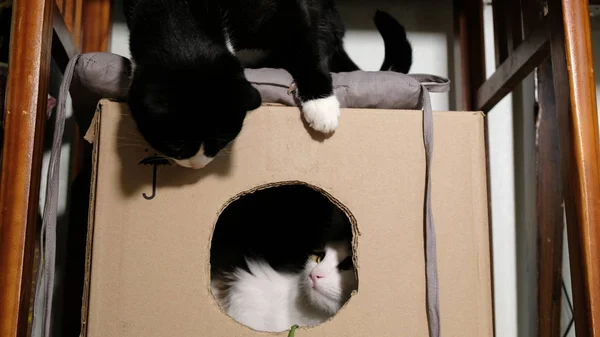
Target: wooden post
point(549, 208)
point(27, 90)
point(580, 154)
point(469, 14)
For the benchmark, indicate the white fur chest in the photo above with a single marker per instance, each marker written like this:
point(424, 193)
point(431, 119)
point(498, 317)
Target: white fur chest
point(268, 301)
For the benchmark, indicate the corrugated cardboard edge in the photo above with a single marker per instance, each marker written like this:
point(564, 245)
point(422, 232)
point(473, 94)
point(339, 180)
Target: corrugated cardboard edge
point(488, 195)
point(92, 135)
point(485, 193)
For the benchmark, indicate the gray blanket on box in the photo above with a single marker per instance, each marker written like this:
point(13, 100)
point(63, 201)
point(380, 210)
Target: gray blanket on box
point(106, 75)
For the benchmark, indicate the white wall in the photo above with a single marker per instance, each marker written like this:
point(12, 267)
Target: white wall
point(119, 39)
point(501, 163)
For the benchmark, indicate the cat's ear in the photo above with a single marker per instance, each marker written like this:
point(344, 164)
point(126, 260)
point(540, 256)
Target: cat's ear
point(249, 96)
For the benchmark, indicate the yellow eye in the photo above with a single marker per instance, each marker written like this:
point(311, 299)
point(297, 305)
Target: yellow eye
point(318, 256)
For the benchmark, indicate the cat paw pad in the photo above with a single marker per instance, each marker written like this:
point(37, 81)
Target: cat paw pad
point(322, 114)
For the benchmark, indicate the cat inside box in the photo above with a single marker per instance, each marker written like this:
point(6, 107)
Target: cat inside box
point(280, 257)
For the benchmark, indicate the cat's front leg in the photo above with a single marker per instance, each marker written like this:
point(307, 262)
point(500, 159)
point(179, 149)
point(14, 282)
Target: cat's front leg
point(320, 107)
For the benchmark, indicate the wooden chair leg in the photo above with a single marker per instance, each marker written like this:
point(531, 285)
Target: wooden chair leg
point(549, 208)
point(27, 89)
point(580, 154)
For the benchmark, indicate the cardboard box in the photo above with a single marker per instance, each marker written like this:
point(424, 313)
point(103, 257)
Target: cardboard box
point(148, 270)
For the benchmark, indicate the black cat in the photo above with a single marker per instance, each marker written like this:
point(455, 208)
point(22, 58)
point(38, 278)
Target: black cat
point(189, 96)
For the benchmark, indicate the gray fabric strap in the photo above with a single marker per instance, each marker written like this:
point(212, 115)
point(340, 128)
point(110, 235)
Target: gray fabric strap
point(47, 263)
point(431, 274)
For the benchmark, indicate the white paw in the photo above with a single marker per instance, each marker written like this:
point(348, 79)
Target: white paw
point(322, 114)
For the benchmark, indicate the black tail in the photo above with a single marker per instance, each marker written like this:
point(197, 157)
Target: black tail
point(398, 51)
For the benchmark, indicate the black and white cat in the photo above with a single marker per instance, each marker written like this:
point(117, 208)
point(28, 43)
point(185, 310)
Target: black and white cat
point(189, 96)
point(282, 256)
point(268, 300)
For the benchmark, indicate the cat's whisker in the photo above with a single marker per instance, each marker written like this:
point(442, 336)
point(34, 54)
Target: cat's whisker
point(136, 144)
point(132, 140)
point(126, 137)
point(131, 145)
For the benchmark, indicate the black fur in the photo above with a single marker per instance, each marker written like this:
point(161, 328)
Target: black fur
point(282, 224)
point(188, 89)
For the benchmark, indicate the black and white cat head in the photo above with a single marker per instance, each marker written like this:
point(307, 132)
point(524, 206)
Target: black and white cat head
point(329, 277)
point(189, 115)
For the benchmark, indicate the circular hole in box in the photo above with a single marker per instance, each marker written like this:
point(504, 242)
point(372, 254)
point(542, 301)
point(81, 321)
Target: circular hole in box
point(283, 254)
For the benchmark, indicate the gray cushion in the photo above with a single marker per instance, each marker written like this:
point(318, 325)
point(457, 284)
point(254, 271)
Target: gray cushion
point(357, 89)
point(106, 75)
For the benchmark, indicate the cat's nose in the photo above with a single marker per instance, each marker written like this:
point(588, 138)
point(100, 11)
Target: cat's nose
point(314, 276)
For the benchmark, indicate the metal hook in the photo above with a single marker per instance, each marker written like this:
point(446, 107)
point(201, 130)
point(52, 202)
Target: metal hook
point(154, 167)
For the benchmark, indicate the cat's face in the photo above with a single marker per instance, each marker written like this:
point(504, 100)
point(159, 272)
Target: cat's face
point(190, 116)
point(329, 277)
